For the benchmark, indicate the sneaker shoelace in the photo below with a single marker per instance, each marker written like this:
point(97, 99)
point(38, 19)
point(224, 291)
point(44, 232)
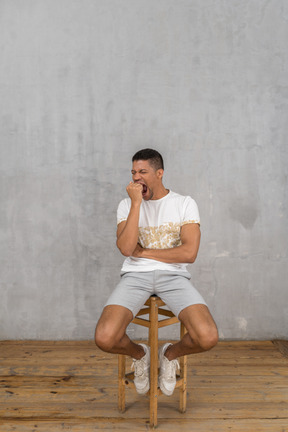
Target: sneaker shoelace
point(138, 366)
point(170, 368)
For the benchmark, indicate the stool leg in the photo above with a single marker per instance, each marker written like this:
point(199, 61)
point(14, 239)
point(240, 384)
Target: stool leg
point(121, 382)
point(183, 375)
point(153, 339)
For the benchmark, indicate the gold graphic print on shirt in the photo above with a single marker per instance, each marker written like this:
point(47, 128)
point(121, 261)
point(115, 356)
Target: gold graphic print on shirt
point(162, 237)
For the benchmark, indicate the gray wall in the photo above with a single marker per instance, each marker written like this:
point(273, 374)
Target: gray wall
point(86, 83)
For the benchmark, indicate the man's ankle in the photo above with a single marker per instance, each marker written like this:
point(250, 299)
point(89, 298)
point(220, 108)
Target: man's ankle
point(168, 354)
point(140, 352)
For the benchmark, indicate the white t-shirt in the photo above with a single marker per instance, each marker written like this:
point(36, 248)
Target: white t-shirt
point(160, 222)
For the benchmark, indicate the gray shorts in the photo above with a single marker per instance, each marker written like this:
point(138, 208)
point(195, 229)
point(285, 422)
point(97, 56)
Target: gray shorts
point(174, 288)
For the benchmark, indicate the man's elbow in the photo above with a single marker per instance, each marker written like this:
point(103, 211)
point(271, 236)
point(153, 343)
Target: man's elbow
point(126, 253)
point(191, 260)
point(191, 257)
point(124, 250)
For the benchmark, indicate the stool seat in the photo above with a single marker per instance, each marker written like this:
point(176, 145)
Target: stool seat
point(153, 308)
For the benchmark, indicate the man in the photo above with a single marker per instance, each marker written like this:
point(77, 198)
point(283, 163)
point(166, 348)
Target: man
point(159, 233)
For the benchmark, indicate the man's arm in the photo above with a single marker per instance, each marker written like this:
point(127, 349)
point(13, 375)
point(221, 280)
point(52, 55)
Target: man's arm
point(186, 253)
point(127, 231)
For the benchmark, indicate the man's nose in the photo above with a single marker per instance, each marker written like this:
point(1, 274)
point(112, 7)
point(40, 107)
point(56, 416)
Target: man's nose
point(136, 177)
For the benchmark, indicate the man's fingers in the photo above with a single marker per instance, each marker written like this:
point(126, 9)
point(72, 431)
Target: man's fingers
point(134, 186)
point(134, 190)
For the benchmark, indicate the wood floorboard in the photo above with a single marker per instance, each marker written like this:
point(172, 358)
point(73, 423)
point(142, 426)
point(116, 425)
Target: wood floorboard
point(55, 386)
point(106, 424)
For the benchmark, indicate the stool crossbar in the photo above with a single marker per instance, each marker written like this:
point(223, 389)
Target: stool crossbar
point(153, 308)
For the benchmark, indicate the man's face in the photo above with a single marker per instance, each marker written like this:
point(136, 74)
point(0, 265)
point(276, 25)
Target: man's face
point(145, 174)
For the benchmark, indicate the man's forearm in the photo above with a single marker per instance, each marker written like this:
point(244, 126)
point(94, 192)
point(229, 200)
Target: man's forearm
point(128, 238)
point(179, 254)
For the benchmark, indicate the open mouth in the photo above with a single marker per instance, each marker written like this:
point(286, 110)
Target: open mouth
point(144, 189)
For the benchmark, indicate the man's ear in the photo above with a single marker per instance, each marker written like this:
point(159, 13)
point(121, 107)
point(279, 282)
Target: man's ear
point(160, 173)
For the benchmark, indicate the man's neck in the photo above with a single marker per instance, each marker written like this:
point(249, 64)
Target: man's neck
point(160, 194)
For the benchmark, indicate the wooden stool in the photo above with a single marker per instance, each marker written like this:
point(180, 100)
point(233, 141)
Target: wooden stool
point(153, 309)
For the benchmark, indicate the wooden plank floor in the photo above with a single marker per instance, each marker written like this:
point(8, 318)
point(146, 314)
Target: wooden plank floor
point(60, 386)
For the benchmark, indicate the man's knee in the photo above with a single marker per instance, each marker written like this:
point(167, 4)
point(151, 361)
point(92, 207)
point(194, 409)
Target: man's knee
point(104, 338)
point(208, 338)
point(112, 326)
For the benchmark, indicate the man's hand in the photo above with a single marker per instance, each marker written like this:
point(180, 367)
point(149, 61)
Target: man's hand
point(134, 191)
point(138, 251)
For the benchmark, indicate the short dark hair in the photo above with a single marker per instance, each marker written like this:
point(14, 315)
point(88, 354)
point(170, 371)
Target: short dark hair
point(153, 156)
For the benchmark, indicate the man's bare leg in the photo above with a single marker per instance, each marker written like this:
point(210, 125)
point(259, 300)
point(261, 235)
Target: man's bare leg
point(110, 336)
point(202, 332)
point(110, 333)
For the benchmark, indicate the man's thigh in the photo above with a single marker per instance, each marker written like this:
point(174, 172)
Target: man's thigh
point(114, 320)
point(198, 321)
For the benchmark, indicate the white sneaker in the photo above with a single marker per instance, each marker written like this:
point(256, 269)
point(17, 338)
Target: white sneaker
point(141, 371)
point(167, 375)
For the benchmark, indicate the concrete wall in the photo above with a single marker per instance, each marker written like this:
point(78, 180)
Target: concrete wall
point(86, 83)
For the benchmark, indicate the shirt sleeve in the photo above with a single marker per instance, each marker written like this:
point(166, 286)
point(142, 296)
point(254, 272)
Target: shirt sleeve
point(123, 211)
point(191, 212)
